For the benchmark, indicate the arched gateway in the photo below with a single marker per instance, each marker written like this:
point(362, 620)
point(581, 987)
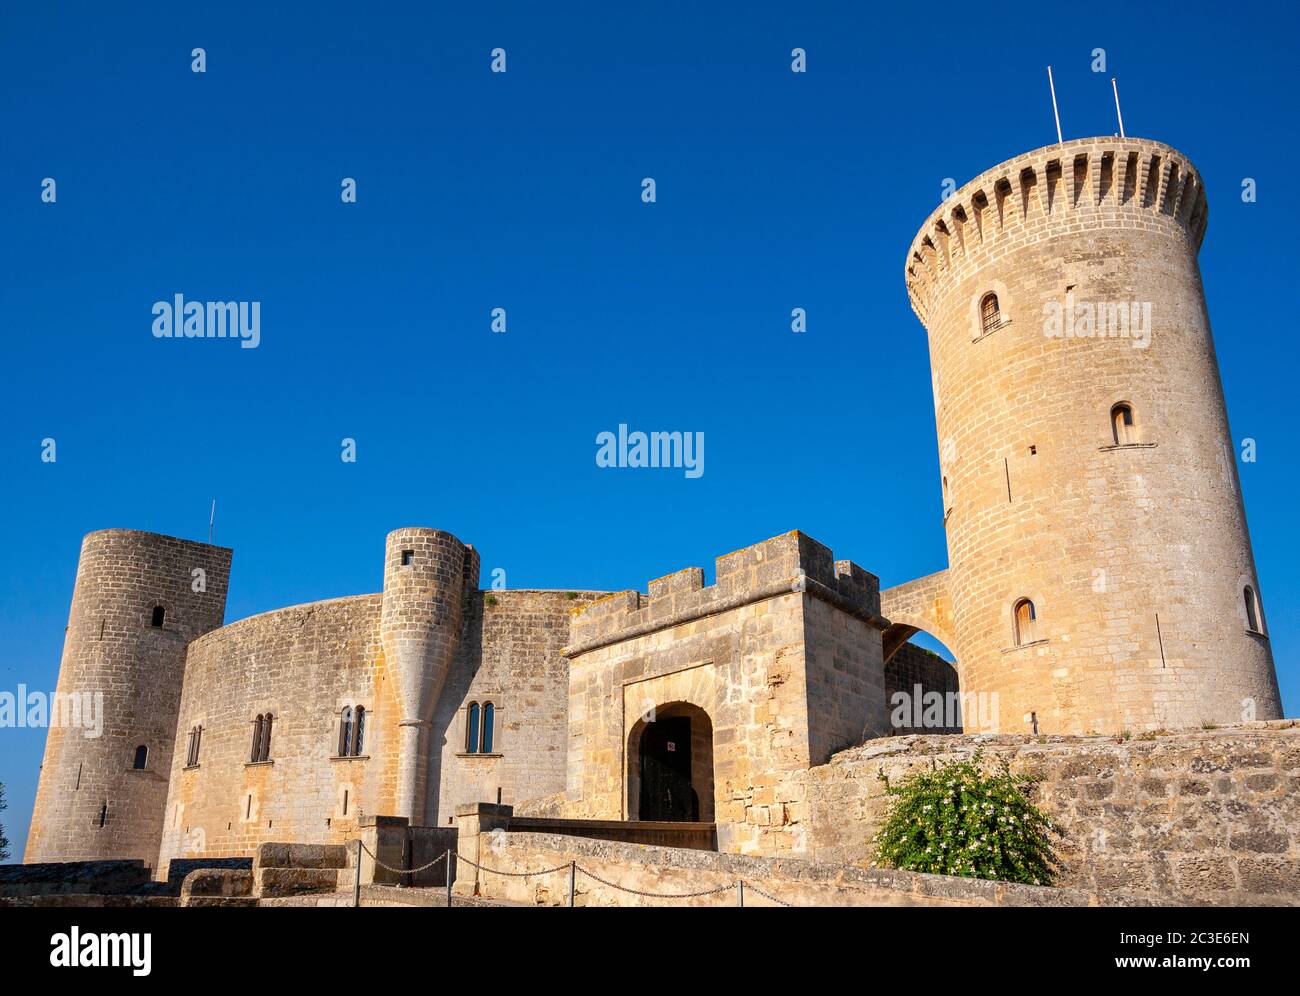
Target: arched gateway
point(670, 765)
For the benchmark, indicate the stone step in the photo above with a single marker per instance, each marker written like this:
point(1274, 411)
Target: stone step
point(294, 881)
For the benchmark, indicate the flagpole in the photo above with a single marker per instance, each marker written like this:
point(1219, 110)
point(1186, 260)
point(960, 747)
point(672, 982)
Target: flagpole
point(1118, 113)
point(1052, 83)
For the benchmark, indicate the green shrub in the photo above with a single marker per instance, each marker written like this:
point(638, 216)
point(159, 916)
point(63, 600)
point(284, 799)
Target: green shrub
point(965, 821)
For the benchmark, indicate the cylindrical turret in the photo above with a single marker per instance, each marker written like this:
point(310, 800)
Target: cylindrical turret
point(1101, 573)
point(427, 573)
point(139, 599)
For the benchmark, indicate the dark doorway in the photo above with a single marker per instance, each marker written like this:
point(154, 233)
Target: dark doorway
point(666, 791)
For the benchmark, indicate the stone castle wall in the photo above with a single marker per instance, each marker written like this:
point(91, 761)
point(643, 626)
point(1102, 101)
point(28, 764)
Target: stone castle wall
point(91, 802)
point(512, 656)
point(782, 626)
point(1135, 556)
point(304, 665)
point(1206, 817)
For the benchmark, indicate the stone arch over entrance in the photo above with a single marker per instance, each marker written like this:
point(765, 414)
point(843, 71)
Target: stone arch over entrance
point(670, 765)
point(923, 604)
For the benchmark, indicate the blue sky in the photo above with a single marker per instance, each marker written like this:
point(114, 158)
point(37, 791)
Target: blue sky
point(522, 191)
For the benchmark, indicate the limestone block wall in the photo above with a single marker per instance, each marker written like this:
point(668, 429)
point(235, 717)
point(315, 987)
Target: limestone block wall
point(782, 623)
point(511, 656)
point(91, 802)
point(1135, 554)
point(1205, 816)
point(302, 665)
point(912, 667)
point(649, 870)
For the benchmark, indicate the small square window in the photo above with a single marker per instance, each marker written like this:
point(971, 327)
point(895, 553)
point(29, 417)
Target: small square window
point(1033, 451)
point(407, 557)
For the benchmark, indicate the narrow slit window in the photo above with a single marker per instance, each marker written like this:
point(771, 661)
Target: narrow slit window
point(345, 732)
point(1253, 621)
point(471, 729)
point(489, 714)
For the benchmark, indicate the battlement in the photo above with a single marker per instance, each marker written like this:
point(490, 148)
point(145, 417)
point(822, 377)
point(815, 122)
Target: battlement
point(791, 562)
point(1075, 186)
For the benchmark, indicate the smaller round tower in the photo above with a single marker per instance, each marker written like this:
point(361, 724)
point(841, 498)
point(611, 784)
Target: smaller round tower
point(138, 601)
point(427, 575)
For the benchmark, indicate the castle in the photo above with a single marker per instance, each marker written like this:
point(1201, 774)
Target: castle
point(1100, 580)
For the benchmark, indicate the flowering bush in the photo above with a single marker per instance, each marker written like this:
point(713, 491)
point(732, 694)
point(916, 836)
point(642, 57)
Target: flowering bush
point(962, 820)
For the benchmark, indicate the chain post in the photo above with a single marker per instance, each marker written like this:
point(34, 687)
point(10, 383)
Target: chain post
point(448, 869)
point(573, 876)
point(740, 892)
point(356, 888)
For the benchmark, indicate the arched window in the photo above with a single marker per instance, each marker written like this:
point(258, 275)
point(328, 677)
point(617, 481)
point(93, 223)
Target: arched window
point(254, 754)
point(990, 314)
point(266, 739)
point(1122, 425)
point(1254, 620)
point(352, 731)
point(345, 732)
point(471, 729)
point(489, 714)
point(1025, 622)
point(159, 614)
point(141, 758)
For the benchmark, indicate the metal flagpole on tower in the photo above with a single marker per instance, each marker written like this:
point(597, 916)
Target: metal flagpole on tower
point(1118, 113)
point(1052, 83)
point(212, 517)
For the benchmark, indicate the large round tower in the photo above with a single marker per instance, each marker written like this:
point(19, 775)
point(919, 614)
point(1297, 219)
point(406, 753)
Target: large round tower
point(139, 599)
point(427, 573)
point(1101, 574)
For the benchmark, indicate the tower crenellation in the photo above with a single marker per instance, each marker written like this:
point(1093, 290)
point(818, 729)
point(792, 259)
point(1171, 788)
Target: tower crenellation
point(1079, 185)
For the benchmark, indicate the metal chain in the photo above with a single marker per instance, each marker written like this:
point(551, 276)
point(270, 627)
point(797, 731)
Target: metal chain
point(590, 874)
point(402, 871)
point(654, 895)
point(495, 871)
point(750, 887)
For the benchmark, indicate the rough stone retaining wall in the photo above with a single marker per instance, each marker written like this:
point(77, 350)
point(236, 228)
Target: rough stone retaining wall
point(793, 881)
point(1201, 817)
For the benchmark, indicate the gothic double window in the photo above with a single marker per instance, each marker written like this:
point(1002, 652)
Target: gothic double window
point(352, 731)
point(261, 750)
point(480, 723)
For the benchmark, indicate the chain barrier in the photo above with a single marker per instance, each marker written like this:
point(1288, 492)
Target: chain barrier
point(577, 868)
point(494, 871)
point(656, 895)
point(401, 871)
point(749, 887)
